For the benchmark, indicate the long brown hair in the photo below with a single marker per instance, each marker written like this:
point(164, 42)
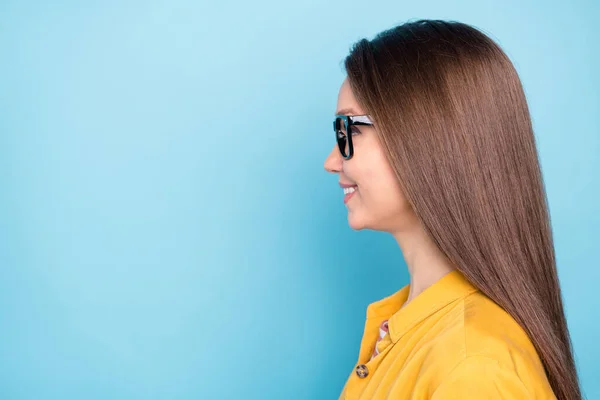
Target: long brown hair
point(455, 125)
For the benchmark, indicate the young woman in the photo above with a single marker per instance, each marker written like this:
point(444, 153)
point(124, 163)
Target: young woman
point(435, 146)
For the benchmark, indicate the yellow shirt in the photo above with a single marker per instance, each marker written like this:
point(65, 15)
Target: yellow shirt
point(449, 342)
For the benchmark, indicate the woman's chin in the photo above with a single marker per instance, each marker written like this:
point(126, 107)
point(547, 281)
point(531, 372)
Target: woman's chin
point(356, 222)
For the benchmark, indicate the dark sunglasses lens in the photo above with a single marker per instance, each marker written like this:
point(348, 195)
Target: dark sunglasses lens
point(342, 136)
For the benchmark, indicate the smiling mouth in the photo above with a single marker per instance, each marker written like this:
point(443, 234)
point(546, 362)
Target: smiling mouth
point(349, 192)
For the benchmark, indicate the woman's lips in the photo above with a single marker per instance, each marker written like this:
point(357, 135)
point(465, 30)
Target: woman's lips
point(349, 192)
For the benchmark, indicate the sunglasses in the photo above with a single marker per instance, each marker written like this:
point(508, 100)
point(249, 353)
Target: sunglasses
point(342, 125)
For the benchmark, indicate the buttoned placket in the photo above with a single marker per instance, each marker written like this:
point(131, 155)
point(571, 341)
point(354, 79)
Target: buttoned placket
point(365, 369)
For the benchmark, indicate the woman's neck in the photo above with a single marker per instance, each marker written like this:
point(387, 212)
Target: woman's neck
point(426, 263)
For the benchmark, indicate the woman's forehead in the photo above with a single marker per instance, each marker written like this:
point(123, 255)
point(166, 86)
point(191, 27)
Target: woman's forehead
point(347, 104)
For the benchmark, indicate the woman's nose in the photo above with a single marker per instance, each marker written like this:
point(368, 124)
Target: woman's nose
point(333, 162)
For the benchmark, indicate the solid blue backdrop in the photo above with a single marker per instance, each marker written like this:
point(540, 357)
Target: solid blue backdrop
point(167, 228)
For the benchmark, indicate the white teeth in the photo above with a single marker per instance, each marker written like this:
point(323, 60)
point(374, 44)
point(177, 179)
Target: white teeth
point(349, 189)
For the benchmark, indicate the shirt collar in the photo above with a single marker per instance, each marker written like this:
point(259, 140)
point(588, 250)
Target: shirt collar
point(449, 288)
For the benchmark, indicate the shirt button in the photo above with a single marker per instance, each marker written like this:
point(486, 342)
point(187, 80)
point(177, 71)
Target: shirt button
point(362, 371)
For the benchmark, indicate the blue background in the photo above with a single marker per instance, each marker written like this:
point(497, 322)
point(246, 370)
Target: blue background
point(167, 229)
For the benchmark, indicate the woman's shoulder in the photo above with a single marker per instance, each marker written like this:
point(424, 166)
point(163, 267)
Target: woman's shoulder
point(491, 331)
point(477, 326)
point(480, 340)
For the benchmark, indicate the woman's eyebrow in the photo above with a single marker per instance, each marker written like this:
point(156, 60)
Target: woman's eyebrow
point(346, 111)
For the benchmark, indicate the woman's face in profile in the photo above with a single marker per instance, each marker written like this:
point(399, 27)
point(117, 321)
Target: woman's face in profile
point(377, 202)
